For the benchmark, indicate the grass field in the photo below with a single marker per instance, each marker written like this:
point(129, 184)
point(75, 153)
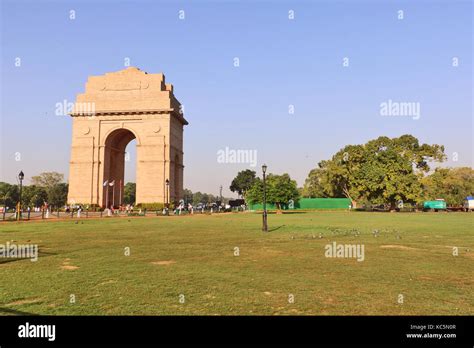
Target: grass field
point(194, 256)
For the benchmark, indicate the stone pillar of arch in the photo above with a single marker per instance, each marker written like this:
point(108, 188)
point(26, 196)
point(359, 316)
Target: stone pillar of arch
point(115, 109)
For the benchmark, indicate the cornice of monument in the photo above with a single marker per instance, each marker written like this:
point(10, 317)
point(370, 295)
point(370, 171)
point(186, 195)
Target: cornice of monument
point(131, 113)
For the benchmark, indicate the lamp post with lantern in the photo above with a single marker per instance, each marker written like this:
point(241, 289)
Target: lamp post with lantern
point(167, 182)
point(21, 176)
point(265, 225)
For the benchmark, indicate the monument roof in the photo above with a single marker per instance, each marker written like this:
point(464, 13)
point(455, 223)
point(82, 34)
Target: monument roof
point(129, 90)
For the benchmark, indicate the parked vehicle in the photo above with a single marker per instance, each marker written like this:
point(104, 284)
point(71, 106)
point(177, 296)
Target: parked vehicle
point(468, 203)
point(436, 205)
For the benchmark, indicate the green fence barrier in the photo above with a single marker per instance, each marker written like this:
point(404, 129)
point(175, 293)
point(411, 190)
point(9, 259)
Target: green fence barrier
point(309, 203)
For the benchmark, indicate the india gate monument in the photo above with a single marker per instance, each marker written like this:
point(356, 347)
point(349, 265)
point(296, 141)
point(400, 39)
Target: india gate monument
point(114, 109)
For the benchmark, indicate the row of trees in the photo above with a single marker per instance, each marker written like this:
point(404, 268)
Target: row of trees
point(387, 170)
point(47, 187)
point(382, 171)
point(129, 196)
point(198, 197)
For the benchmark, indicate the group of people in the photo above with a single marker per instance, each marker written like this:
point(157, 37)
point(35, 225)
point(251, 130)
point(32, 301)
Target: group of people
point(35, 209)
point(201, 207)
point(122, 208)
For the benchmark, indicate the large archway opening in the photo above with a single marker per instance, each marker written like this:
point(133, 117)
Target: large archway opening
point(115, 156)
point(130, 176)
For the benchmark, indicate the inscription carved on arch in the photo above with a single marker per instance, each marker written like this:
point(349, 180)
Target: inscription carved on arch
point(124, 85)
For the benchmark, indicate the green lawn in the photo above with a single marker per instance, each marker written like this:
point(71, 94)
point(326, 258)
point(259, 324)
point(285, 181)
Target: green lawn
point(194, 256)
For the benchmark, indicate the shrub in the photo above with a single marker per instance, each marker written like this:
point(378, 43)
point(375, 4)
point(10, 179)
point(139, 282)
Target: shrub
point(151, 206)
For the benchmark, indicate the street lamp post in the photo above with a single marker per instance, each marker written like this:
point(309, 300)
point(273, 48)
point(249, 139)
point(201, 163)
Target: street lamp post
point(167, 182)
point(21, 176)
point(220, 198)
point(265, 225)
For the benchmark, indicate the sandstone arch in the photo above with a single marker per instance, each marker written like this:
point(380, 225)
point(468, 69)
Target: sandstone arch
point(126, 105)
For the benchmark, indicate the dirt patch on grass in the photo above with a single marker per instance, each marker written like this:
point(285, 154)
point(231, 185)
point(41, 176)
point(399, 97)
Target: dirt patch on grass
point(66, 266)
point(425, 278)
point(399, 247)
point(24, 301)
point(163, 263)
point(328, 301)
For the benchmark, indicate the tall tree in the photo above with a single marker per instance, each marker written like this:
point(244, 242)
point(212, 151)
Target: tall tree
point(383, 170)
point(34, 196)
point(197, 198)
point(188, 196)
point(255, 192)
point(243, 182)
point(47, 179)
point(54, 186)
point(8, 194)
point(316, 185)
point(280, 190)
point(451, 184)
point(129, 193)
point(57, 195)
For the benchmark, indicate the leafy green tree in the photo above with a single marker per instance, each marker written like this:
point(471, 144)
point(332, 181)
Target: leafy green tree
point(57, 195)
point(316, 185)
point(383, 170)
point(129, 193)
point(280, 190)
point(188, 196)
point(243, 182)
point(205, 198)
point(197, 198)
point(255, 192)
point(55, 188)
point(451, 184)
point(34, 196)
point(47, 179)
point(8, 194)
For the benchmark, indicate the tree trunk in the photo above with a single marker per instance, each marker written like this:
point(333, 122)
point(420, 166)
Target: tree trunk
point(346, 193)
point(393, 207)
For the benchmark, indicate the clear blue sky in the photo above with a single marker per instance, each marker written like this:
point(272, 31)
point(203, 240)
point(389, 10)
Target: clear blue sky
point(282, 62)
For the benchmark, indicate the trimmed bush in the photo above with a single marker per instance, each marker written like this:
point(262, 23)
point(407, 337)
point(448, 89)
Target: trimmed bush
point(150, 206)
